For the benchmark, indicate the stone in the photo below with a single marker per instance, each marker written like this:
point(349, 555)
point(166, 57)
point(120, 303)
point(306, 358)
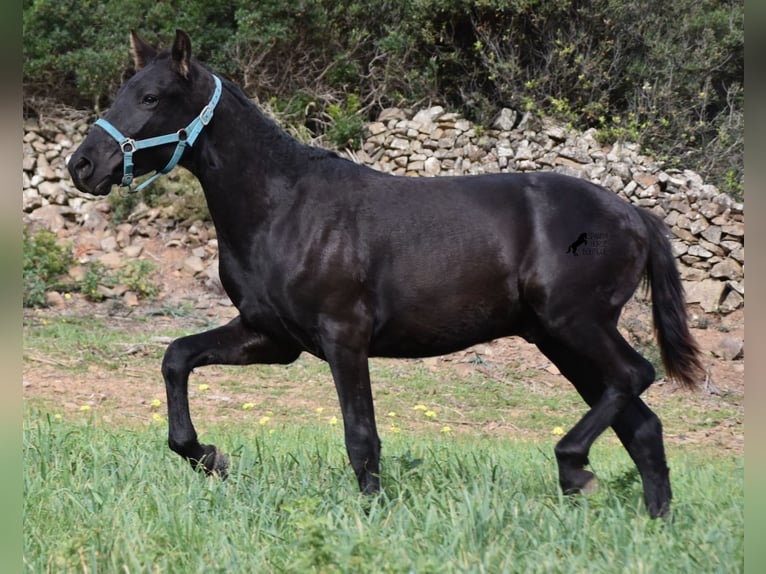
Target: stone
point(738, 254)
point(429, 115)
point(699, 251)
point(130, 298)
point(554, 131)
point(132, 251)
point(726, 269)
point(50, 216)
point(524, 151)
point(376, 128)
point(707, 293)
point(729, 348)
point(504, 150)
point(109, 243)
point(697, 226)
point(399, 144)
point(712, 233)
point(113, 260)
point(194, 264)
point(55, 299)
point(679, 248)
point(391, 114)
point(734, 229)
point(432, 166)
point(731, 302)
point(505, 120)
point(738, 286)
point(710, 209)
point(646, 179)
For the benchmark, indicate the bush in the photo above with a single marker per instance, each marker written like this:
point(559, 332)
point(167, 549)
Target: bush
point(135, 276)
point(45, 264)
point(671, 71)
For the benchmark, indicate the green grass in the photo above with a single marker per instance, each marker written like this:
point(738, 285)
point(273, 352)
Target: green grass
point(103, 493)
point(103, 499)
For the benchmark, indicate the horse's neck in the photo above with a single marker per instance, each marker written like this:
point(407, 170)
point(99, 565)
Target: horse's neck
point(247, 165)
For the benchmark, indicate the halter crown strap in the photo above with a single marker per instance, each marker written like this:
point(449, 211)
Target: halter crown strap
point(183, 138)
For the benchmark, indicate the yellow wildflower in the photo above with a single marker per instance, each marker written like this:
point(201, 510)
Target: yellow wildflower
point(156, 403)
point(430, 414)
point(333, 420)
point(203, 387)
point(557, 431)
point(420, 408)
point(264, 420)
point(85, 408)
point(446, 429)
point(248, 406)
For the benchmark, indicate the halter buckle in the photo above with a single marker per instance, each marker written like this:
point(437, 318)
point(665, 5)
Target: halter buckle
point(206, 115)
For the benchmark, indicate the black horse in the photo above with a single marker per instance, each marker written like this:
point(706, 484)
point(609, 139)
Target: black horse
point(322, 255)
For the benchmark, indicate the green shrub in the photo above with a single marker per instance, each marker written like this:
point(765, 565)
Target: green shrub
point(45, 263)
point(346, 128)
point(136, 276)
point(671, 71)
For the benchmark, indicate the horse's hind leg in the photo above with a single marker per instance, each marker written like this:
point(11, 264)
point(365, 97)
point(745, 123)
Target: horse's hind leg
point(233, 344)
point(598, 347)
point(637, 427)
point(640, 430)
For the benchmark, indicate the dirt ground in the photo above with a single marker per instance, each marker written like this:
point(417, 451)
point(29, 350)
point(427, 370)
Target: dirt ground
point(131, 391)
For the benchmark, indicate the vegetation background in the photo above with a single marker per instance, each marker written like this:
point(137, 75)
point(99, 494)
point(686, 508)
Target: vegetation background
point(669, 75)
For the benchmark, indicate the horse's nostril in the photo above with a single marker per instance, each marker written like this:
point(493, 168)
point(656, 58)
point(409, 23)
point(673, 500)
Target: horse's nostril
point(82, 166)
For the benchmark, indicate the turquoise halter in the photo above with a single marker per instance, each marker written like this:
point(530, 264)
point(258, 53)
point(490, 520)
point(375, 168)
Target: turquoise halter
point(183, 138)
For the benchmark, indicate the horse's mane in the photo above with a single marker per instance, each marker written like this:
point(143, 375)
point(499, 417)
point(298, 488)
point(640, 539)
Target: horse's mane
point(276, 136)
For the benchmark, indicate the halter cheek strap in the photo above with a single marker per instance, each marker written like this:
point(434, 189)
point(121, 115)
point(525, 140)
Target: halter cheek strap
point(183, 138)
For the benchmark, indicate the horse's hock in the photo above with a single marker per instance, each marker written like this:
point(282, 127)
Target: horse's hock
point(707, 226)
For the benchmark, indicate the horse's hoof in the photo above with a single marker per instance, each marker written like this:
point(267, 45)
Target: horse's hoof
point(580, 482)
point(662, 511)
point(213, 462)
point(590, 487)
point(220, 464)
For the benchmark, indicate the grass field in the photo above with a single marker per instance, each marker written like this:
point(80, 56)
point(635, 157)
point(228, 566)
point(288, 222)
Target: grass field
point(469, 477)
point(99, 499)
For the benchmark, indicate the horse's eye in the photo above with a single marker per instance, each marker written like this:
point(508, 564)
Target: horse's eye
point(149, 100)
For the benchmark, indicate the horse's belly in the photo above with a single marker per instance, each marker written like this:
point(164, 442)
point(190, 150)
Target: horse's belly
point(440, 329)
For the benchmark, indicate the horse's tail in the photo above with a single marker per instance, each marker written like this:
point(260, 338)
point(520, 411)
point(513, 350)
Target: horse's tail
point(679, 350)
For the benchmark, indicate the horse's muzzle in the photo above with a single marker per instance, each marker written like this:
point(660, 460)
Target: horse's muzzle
point(85, 177)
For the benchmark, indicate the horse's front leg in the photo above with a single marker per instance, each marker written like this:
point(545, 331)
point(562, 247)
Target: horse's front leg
point(350, 371)
point(232, 344)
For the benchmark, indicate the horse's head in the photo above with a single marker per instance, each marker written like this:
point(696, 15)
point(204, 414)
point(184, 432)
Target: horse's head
point(169, 96)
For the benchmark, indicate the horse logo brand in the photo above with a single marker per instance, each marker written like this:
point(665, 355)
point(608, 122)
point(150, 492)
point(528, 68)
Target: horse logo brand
point(589, 244)
point(582, 240)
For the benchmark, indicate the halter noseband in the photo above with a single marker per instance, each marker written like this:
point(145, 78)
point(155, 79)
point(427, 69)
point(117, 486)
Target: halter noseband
point(183, 138)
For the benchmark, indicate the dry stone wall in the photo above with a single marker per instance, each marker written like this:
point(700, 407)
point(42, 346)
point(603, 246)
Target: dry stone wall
point(707, 226)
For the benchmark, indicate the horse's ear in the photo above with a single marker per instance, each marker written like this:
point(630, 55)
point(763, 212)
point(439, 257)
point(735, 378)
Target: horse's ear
point(143, 53)
point(182, 53)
